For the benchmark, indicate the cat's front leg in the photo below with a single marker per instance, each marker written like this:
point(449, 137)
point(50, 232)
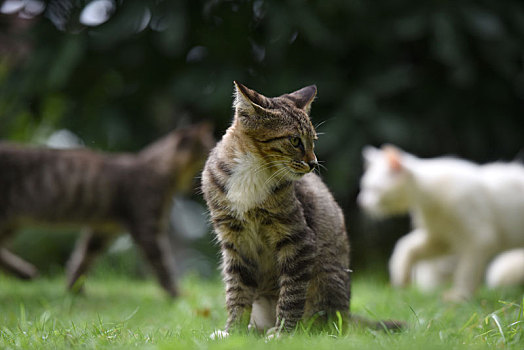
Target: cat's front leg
point(240, 278)
point(296, 258)
point(157, 249)
point(409, 249)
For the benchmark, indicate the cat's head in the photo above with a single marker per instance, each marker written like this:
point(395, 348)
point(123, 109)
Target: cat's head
point(180, 154)
point(278, 129)
point(192, 145)
point(384, 184)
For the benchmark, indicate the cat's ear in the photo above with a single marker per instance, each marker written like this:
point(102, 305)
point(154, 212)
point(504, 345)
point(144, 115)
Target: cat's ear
point(393, 157)
point(303, 97)
point(248, 100)
point(369, 153)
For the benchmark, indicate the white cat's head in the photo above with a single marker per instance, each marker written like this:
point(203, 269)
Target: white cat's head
point(384, 184)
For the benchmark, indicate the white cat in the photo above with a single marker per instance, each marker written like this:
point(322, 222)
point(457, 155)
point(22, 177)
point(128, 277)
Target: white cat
point(471, 212)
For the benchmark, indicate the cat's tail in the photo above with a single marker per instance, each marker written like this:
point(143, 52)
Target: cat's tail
point(385, 325)
point(507, 269)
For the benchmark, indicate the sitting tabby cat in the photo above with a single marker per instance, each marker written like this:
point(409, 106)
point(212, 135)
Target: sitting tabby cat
point(107, 193)
point(285, 251)
point(460, 209)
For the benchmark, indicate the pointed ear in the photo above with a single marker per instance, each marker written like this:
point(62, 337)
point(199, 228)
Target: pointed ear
point(393, 157)
point(247, 99)
point(304, 97)
point(369, 153)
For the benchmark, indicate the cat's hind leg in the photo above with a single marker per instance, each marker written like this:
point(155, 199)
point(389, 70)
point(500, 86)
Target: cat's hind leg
point(328, 299)
point(469, 272)
point(329, 292)
point(16, 265)
point(88, 246)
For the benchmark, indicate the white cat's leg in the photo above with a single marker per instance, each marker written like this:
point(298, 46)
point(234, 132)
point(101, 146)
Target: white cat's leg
point(430, 274)
point(469, 272)
point(263, 314)
point(401, 261)
point(411, 248)
point(507, 269)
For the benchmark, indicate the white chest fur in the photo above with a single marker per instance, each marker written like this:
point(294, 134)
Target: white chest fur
point(249, 185)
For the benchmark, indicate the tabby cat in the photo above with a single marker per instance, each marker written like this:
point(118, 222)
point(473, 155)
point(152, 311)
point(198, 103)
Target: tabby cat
point(285, 251)
point(107, 193)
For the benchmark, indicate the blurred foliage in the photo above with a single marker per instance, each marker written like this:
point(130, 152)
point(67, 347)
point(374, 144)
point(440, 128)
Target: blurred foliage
point(434, 77)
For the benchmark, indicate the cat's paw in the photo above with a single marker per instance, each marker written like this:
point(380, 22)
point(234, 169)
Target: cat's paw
point(398, 281)
point(455, 295)
point(218, 334)
point(399, 270)
point(399, 278)
point(273, 333)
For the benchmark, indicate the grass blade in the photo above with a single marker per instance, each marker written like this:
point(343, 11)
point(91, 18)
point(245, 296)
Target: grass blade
point(496, 319)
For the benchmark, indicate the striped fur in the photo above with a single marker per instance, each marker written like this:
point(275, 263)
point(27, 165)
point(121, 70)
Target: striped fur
point(285, 251)
point(107, 193)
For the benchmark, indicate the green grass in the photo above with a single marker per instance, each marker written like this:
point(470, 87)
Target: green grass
point(118, 312)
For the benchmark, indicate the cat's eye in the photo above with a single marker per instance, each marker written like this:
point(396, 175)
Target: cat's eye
point(295, 141)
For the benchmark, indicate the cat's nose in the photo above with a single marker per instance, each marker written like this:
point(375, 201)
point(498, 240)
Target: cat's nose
point(313, 164)
point(310, 160)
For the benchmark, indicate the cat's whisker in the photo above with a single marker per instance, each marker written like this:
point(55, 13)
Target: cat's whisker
point(279, 171)
point(279, 175)
point(267, 166)
point(264, 164)
point(272, 176)
point(286, 172)
point(320, 165)
point(320, 124)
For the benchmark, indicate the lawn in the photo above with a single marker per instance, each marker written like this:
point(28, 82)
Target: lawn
point(120, 312)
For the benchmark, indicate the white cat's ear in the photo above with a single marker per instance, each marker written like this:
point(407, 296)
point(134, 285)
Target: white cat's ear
point(394, 157)
point(304, 97)
point(248, 100)
point(369, 153)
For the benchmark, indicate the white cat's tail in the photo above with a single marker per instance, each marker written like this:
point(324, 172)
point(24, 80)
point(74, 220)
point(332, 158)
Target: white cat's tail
point(507, 269)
